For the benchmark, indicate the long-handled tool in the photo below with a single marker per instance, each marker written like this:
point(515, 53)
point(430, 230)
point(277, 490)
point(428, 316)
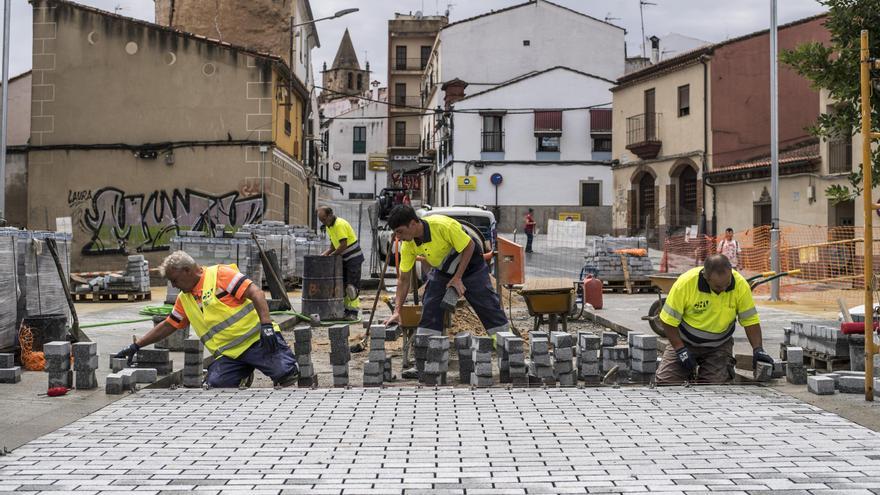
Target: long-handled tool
point(270, 270)
point(360, 346)
point(75, 331)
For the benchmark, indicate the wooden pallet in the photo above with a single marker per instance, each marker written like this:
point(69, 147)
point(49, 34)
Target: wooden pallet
point(631, 287)
point(111, 296)
point(820, 361)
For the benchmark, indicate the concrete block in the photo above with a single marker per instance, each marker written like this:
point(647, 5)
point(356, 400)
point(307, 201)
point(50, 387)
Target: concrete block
point(481, 344)
point(7, 360)
point(192, 381)
point(641, 354)
point(587, 356)
point(851, 385)
point(796, 374)
point(642, 341)
point(57, 363)
point(540, 371)
point(539, 346)
point(10, 375)
point(514, 345)
point(563, 353)
point(84, 350)
point(481, 381)
point(114, 384)
point(616, 353)
point(436, 367)
point(795, 355)
point(434, 379)
point(542, 359)
point(561, 339)
point(589, 369)
point(567, 379)
point(57, 348)
point(482, 369)
point(589, 342)
point(306, 370)
point(642, 366)
point(539, 335)
point(302, 348)
point(763, 372)
point(144, 375)
point(560, 367)
point(373, 367)
point(438, 342)
point(161, 368)
point(193, 345)
point(377, 355)
point(463, 341)
point(192, 358)
point(820, 385)
point(117, 364)
point(340, 370)
point(61, 379)
point(609, 339)
point(392, 334)
point(86, 380)
point(340, 381)
point(481, 357)
point(302, 334)
point(857, 355)
point(86, 364)
point(175, 341)
point(778, 369)
point(158, 356)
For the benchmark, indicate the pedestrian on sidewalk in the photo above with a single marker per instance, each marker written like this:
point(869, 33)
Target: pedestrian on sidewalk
point(699, 317)
point(730, 248)
point(230, 316)
point(529, 229)
point(344, 242)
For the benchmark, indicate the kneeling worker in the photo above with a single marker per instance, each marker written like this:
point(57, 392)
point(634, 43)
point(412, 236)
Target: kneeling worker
point(700, 316)
point(457, 261)
point(344, 242)
point(230, 315)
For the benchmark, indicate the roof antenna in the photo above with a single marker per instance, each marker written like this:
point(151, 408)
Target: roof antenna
point(118, 9)
point(608, 18)
point(642, 4)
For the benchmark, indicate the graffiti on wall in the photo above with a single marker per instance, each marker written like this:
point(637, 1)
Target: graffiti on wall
point(121, 223)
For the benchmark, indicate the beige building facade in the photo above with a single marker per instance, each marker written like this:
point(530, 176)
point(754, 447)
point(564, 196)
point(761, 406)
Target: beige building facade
point(19, 133)
point(138, 130)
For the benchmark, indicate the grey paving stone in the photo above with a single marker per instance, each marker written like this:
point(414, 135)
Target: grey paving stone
point(57, 348)
point(851, 385)
point(820, 385)
point(7, 360)
point(10, 375)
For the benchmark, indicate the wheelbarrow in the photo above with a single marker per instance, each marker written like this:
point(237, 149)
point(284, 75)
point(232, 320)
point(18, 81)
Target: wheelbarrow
point(553, 302)
point(663, 283)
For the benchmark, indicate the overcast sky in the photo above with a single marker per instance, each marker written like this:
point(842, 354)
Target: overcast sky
point(709, 20)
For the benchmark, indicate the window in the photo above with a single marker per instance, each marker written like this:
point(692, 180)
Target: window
point(602, 142)
point(400, 58)
point(591, 193)
point(426, 54)
point(527, 43)
point(359, 170)
point(286, 203)
point(350, 80)
point(360, 140)
point(493, 133)
point(548, 143)
point(326, 141)
point(400, 94)
point(400, 133)
point(360, 81)
point(684, 100)
point(288, 127)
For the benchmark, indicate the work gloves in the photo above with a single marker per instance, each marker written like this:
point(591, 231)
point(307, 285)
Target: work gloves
point(685, 359)
point(129, 352)
point(759, 356)
point(267, 338)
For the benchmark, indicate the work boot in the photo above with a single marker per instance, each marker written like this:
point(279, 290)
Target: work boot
point(289, 380)
point(410, 374)
point(350, 292)
point(351, 315)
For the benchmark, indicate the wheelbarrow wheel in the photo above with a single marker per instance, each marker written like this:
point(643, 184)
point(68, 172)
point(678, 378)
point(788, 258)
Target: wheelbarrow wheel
point(577, 310)
point(654, 317)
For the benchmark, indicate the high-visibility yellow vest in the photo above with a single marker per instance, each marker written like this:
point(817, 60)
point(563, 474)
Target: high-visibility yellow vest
point(225, 331)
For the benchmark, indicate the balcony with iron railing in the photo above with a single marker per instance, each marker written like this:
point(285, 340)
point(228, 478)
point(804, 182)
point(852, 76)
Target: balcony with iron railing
point(408, 64)
point(492, 141)
point(840, 155)
point(413, 141)
point(403, 103)
point(643, 135)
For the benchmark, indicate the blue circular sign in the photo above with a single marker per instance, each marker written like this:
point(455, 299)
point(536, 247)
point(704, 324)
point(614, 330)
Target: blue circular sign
point(497, 179)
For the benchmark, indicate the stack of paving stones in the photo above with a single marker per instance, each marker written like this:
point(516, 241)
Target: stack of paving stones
point(602, 256)
point(9, 372)
point(57, 356)
point(563, 359)
point(818, 336)
point(588, 357)
point(465, 357)
point(175, 341)
point(820, 385)
point(340, 353)
point(117, 364)
point(503, 361)
point(302, 349)
point(125, 380)
point(135, 279)
point(374, 368)
point(540, 364)
point(420, 352)
point(157, 359)
point(643, 357)
point(436, 361)
point(514, 349)
point(280, 238)
point(8, 293)
point(193, 363)
point(614, 355)
point(795, 371)
point(481, 355)
point(391, 335)
point(85, 362)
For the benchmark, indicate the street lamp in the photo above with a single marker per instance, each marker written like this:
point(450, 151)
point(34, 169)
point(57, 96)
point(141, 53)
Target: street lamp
point(334, 16)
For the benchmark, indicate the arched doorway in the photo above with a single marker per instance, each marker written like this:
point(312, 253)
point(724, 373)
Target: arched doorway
point(643, 201)
point(683, 206)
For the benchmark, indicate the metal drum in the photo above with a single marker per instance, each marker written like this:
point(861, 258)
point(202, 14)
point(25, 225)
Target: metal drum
point(322, 287)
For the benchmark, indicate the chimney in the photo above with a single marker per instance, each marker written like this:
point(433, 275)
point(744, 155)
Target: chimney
point(453, 91)
point(655, 49)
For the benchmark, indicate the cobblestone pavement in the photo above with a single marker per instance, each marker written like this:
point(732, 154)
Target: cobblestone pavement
point(674, 440)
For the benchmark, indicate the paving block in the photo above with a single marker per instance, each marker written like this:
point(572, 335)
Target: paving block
point(588, 356)
point(340, 370)
point(539, 346)
point(589, 369)
point(113, 384)
point(57, 363)
point(616, 353)
point(436, 355)
point(86, 380)
point(763, 372)
point(159, 356)
point(57, 348)
point(481, 357)
point(192, 358)
point(795, 355)
point(609, 339)
point(193, 345)
point(161, 368)
point(377, 355)
point(463, 341)
point(542, 359)
point(306, 370)
point(144, 375)
point(84, 350)
point(851, 385)
point(778, 368)
point(514, 345)
point(560, 367)
point(563, 353)
point(481, 381)
point(434, 379)
point(302, 348)
point(373, 367)
point(86, 364)
point(540, 371)
point(482, 344)
point(642, 341)
point(820, 385)
point(190, 381)
point(61, 379)
point(482, 369)
point(640, 354)
point(7, 360)
point(589, 341)
point(10, 375)
point(175, 341)
point(117, 364)
point(567, 379)
point(796, 374)
point(561, 339)
point(641, 366)
point(392, 334)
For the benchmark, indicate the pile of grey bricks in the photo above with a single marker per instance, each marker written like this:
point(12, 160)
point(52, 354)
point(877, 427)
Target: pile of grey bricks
point(238, 248)
point(823, 337)
point(157, 359)
point(615, 355)
point(125, 379)
point(607, 263)
point(420, 352)
point(340, 354)
point(588, 357)
point(374, 368)
point(57, 356)
point(9, 372)
point(795, 371)
point(465, 357)
point(511, 359)
point(563, 359)
point(135, 278)
point(193, 363)
point(845, 382)
point(643, 357)
point(481, 355)
point(540, 364)
point(85, 363)
point(8, 294)
point(391, 335)
point(302, 350)
point(280, 238)
point(436, 361)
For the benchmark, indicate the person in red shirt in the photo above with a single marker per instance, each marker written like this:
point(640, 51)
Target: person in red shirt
point(530, 230)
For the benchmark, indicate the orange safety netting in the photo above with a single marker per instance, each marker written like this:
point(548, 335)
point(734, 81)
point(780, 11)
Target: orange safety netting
point(32, 361)
point(830, 260)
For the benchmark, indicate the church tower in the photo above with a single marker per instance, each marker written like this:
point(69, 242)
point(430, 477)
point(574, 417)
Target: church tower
point(345, 78)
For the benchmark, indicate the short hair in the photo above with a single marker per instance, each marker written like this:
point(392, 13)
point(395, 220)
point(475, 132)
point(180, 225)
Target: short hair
point(177, 260)
point(401, 215)
point(729, 229)
point(326, 209)
point(716, 264)
point(531, 210)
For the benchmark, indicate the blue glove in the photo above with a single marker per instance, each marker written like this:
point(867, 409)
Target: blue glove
point(685, 359)
point(267, 338)
point(759, 356)
point(129, 352)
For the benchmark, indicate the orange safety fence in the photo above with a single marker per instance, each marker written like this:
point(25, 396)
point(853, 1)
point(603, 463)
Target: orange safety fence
point(830, 260)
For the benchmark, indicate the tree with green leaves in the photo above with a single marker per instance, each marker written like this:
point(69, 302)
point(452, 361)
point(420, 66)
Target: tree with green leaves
point(836, 68)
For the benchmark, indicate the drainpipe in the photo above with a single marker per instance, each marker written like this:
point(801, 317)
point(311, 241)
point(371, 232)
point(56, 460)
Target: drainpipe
point(704, 60)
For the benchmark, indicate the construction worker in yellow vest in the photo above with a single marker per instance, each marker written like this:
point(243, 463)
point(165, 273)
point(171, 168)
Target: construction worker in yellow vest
point(230, 316)
point(344, 243)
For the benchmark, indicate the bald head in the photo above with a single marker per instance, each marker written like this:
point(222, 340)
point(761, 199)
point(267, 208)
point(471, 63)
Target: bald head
point(325, 215)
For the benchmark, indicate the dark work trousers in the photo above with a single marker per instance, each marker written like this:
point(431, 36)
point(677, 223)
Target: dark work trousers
point(351, 275)
point(529, 237)
point(478, 292)
point(227, 372)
